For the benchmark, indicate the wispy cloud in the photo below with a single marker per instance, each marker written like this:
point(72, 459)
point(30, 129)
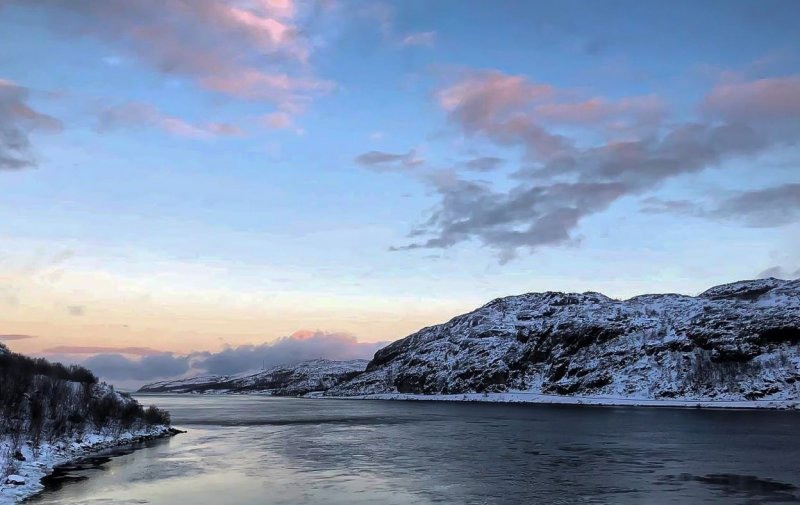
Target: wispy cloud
point(277, 120)
point(16, 337)
point(779, 272)
point(382, 15)
point(767, 207)
point(94, 349)
point(137, 115)
point(483, 163)
point(759, 208)
point(426, 39)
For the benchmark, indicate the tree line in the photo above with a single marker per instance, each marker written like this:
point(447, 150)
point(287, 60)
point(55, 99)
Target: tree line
point(40, 400)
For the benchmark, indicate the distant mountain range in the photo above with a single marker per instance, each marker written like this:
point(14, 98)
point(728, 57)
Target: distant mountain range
point(290, 380)
point(737, 341)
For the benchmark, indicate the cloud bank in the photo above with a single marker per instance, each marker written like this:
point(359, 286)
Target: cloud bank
point(117, 367)
point(300, 346)
point(145, 364)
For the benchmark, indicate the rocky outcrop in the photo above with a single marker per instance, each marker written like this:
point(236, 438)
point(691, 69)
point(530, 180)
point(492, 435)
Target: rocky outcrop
point(286, 380)
point(736, 341)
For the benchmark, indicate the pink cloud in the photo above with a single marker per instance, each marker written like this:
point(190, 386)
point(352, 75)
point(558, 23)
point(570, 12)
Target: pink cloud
point(512, 110)
point(498, 105)
point(289, 93)
point(139, 115)
point(598, 110)
point(277, 120)
point(224, 129)
point(483, 97)
point(255, 49)
point(776, 98)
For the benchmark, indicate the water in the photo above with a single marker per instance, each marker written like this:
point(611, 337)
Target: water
point(260, 450)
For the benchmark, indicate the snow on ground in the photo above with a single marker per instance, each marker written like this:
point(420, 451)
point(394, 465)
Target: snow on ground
point(537, 398)
point(40, 462)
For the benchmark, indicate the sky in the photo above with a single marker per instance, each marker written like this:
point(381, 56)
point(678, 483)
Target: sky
point(204, 186)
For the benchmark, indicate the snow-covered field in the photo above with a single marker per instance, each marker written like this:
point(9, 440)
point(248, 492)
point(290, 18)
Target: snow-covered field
point(524, 397)
point(40, 462)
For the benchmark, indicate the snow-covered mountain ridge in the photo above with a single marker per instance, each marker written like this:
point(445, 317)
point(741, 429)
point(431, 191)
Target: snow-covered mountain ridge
point(284, 380)
point(737, 341)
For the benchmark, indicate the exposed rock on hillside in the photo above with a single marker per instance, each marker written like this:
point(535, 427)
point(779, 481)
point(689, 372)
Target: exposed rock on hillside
point(735, 341)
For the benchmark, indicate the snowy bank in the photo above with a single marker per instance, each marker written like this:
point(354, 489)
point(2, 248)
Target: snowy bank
point(31, 464)
point(537, 398)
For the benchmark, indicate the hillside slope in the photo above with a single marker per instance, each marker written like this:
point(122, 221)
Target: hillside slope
point(737, 341)
point(284, 380)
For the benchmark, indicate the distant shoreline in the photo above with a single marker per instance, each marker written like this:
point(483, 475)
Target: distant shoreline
point(525, 398)
point(597, 401)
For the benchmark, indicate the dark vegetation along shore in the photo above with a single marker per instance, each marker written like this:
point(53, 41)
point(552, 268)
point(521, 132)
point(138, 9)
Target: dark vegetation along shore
point(51, 413)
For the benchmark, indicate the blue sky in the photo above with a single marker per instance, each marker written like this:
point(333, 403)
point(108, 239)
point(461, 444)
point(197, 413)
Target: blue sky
point(196, 175)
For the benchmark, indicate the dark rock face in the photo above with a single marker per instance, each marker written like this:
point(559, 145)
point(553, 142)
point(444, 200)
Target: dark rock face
point(736, 341)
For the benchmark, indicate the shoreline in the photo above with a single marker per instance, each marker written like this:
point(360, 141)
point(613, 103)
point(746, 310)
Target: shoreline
point(592, 401)
point(48, 456)
point(523, 397)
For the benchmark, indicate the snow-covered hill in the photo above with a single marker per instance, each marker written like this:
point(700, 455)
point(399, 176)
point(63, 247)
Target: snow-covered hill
point(288, 380)
point(733, 342)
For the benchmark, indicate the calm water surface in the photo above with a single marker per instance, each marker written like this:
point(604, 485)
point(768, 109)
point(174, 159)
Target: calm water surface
point(260, 450)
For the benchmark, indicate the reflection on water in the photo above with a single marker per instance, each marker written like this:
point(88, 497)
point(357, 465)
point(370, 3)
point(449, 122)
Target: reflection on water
point(259, 450)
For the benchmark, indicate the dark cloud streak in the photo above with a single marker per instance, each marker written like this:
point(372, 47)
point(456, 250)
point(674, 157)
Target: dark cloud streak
point(17, 121)
point(763, 208)
point(16, 337)
point(380, 161)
